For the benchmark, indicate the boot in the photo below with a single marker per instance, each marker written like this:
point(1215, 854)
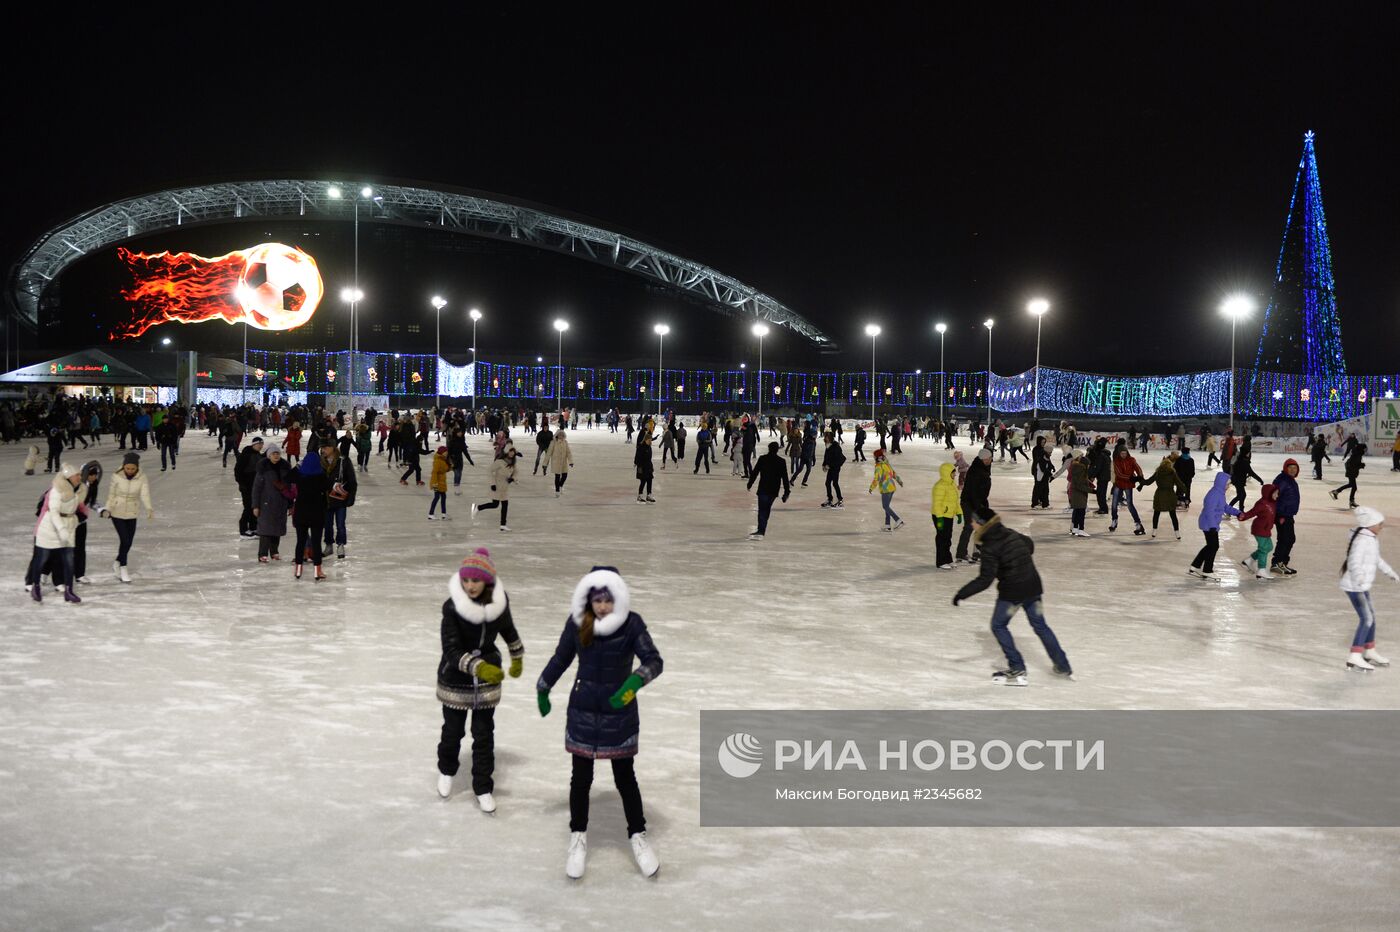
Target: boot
point(444, 785)
point(647, 862)
point(117, 570)
point(1356, 660)
point(1374, 658)
point(70, 596)
point(37, 593)
point(297, 571)
point(487, 802)
point(578, 855)
point(320, 575)
point(124, 575)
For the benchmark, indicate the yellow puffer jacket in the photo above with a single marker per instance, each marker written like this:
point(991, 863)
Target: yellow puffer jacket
point(438, 480)
point(947, 503)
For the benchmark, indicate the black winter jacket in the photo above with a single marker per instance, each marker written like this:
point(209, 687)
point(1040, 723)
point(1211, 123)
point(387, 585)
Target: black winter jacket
point(833, 457)
point(469, 630)
point(769, 471)
point(245, 468)
point(1006, 558)
point(977, 486)
point(343, 472)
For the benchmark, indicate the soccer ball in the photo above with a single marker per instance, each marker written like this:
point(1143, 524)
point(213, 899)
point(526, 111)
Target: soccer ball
point(280, 287)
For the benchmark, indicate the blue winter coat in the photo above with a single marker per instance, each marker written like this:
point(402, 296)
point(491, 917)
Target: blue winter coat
point(1288, 496)
point(594, 728)
point(1216, 505)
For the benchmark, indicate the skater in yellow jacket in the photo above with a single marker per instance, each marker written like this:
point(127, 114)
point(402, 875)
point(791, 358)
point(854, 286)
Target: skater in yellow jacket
point(946, 508)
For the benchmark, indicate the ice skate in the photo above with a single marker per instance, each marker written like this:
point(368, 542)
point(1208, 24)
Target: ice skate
point(1139, 531)
point(755, 535)
point(647, 861)
point(1374, 658)
point(70, 596)
point(487, 802)
point(262, 559)
point(827, 505)
point(1264, 574)
point(36, 593)
point(296, 571)
point(339, 553)
point(320, 574)
point(1065, 673)
point(117, 570)
point(445, 517)
point(1113, 527)
point(898, 524)
point(123, 575)
point(839, 504)
point(1210, 575)
point(444, 785)
point(1154, 533)
point(1178, 537)
point(474, 509)
point(556, 493)
point(1192, 571)
point(504, 529)
point(1356, 661)
point(1332, 492)
point(650, 500)
point(1009, 678)
point(1080, 532)
point(432, 517)
point(945, 566)
point(578, 855)
point(641, 500)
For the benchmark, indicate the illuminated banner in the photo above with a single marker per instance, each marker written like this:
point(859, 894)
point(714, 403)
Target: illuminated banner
point(269, 286)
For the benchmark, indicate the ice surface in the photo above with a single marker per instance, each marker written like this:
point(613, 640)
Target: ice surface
point(218, 745)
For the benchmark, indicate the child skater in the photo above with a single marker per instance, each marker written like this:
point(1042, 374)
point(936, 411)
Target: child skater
point(603, 723)
point(1358, 573)
point(469, 674)
point(437, 482)
point(1264, 514)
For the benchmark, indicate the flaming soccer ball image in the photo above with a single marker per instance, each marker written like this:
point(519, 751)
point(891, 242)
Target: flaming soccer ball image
point(269, 286)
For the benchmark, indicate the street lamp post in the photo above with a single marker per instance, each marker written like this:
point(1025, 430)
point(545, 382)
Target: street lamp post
point(366, 193)
point(660, 330)
point(561, 325)
point(475, 315)
point(1038, 307)
point(988, 324)
point(872, 331)
point(760, 331)
point(438, 304)
point(1235, 307)
point(942, 329)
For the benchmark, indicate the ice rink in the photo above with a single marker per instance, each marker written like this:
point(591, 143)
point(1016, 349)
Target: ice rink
point(218, 745)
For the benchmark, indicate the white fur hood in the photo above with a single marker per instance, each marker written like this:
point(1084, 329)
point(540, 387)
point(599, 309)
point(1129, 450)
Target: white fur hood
point(622, 600)
point(475, 612)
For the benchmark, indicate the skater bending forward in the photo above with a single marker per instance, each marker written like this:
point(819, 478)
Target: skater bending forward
point(603, 723)
point(1006, 559)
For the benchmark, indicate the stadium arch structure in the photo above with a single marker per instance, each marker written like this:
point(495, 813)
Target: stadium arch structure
point(415, 205)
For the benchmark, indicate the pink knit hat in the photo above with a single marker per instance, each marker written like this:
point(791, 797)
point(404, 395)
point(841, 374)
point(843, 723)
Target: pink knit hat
point(478, 565)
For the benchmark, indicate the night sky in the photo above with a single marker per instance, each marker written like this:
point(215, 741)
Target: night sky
point(948, 165)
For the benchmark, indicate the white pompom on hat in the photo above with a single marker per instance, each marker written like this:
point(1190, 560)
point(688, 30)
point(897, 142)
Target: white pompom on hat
point(1366, 516)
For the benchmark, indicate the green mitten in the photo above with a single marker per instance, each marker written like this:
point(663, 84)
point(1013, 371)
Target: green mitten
point(517, 664)
point(543, 698)
point(627, 692)
point(489, 673)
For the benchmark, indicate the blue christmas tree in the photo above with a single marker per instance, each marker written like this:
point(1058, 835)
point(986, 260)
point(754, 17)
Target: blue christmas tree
point(1302, 332)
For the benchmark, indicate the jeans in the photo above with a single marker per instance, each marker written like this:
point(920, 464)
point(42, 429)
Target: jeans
point(1001, 618)
point(833, 482)
point(454, 726)
point(414, 470)
point(307, 538)
point(173, 448)
point(1287, 537)
point(890, 516)
point(624, 776)
point(1263, 546)
point(1205, 558)
point(457, 476)
point(41, 557)
point(432, 507)
point(943, 541)
point(966, 534)
point(126, 533)
point(1124, 495)
point(765, 507)
point(335, 525)
point(702, 456)
point(1365, 631)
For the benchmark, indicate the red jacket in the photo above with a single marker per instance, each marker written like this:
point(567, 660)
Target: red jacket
point(1126, 472)
point(1263, 513)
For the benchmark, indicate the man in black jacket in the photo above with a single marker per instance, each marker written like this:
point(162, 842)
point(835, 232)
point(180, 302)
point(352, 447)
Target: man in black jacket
point(245, 470)
point(1101, 468)
point(1006, 558)
point(340, 474)
point(977, 488)
point(768, 472)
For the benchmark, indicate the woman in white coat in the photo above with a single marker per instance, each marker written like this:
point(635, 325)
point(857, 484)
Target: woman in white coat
point(55, 530)
point(129, 494)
